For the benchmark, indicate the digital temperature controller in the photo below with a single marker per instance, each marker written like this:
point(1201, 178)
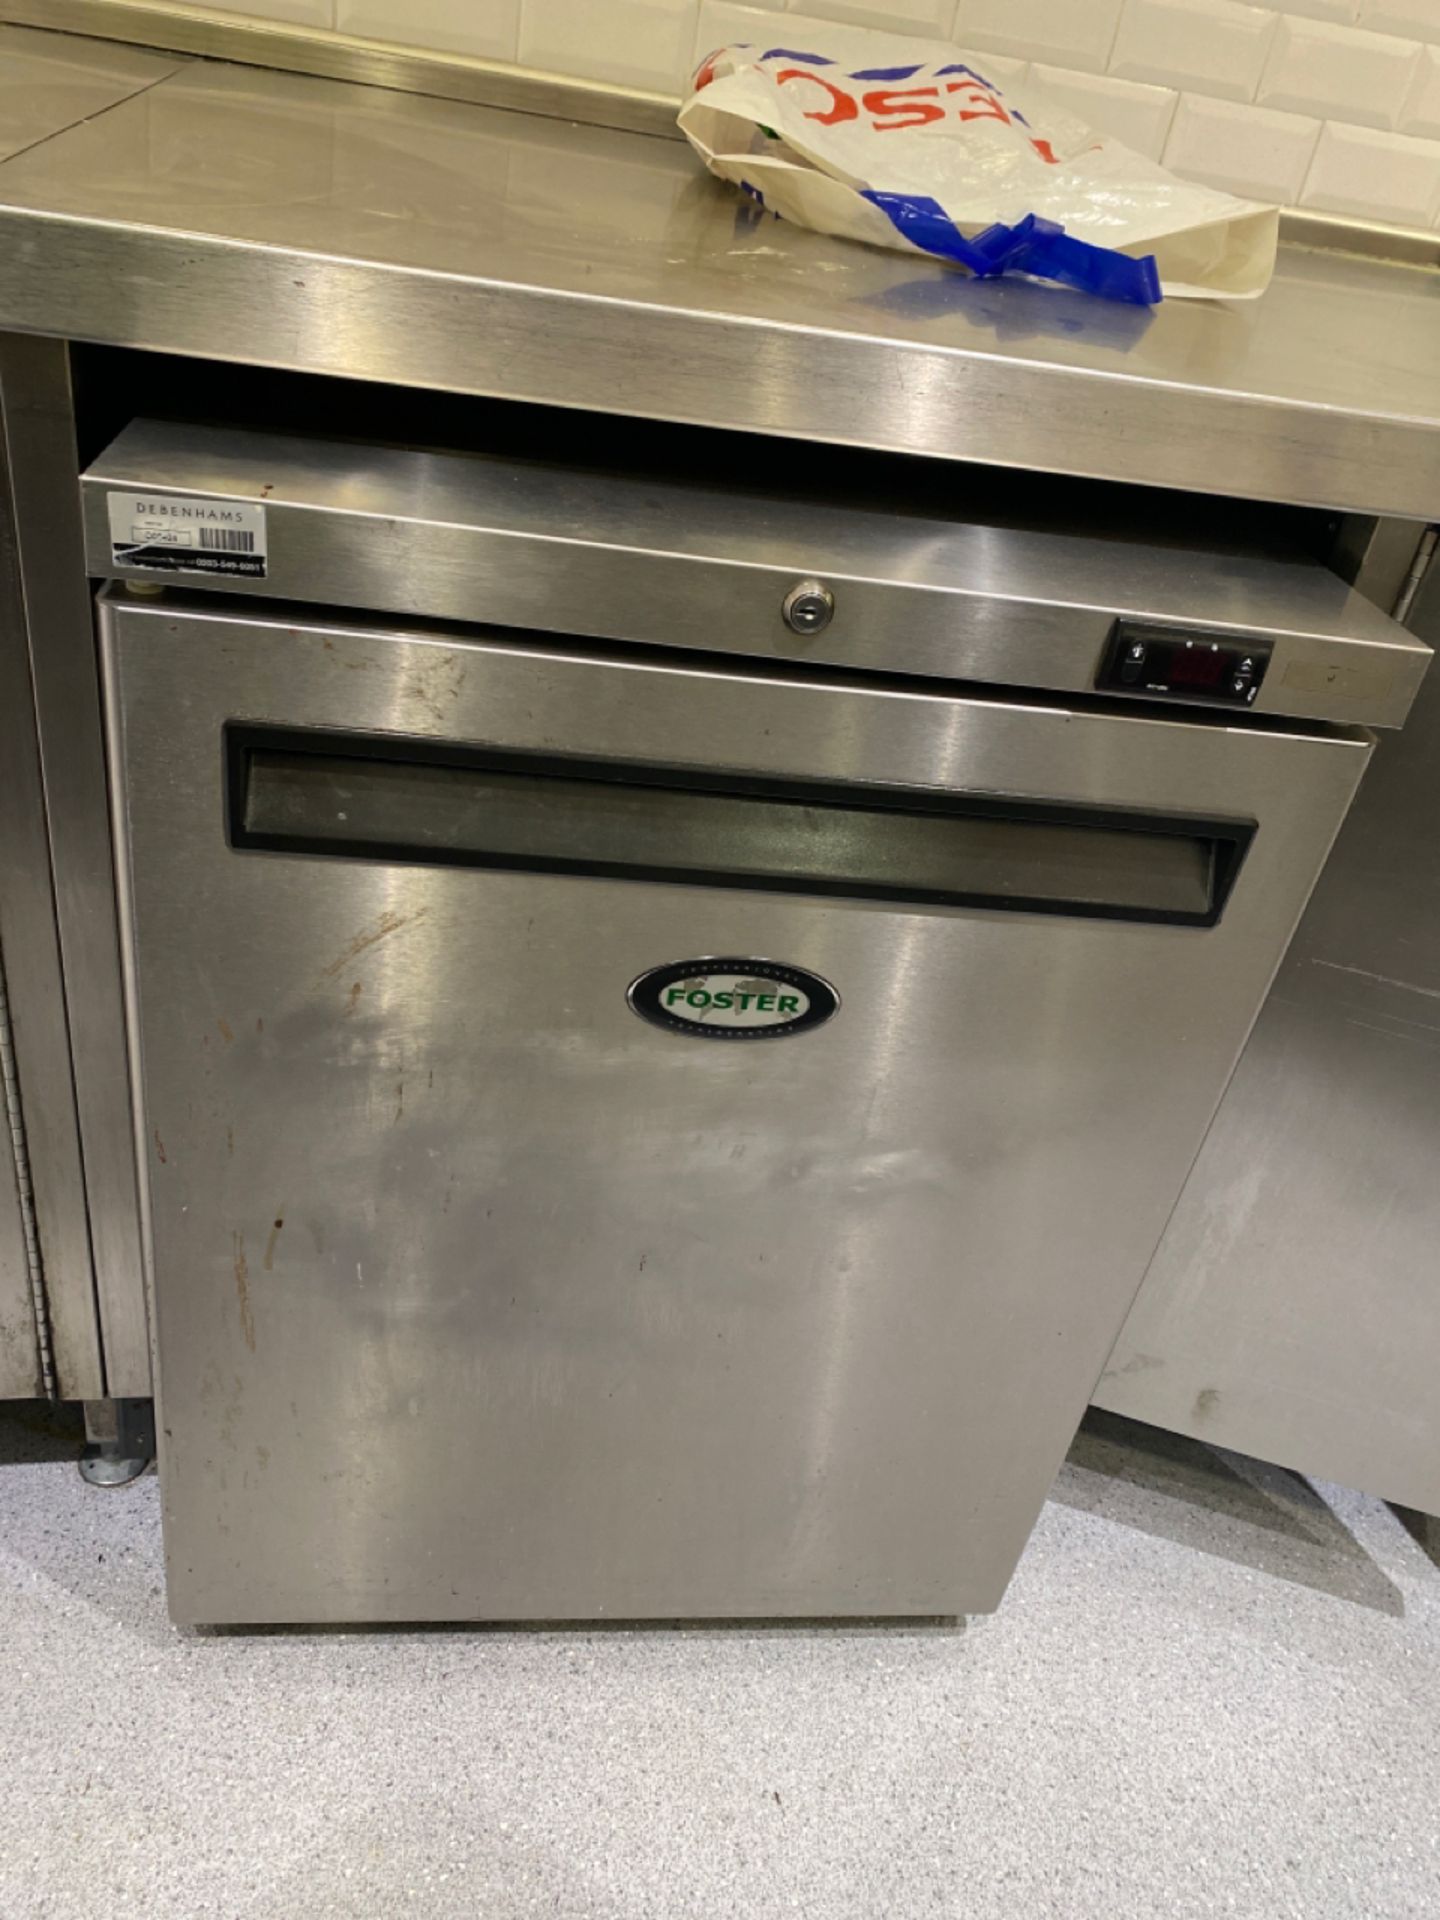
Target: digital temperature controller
point(1176, 663)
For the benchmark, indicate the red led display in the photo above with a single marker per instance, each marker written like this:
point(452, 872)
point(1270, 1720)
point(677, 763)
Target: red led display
point(1197, 667)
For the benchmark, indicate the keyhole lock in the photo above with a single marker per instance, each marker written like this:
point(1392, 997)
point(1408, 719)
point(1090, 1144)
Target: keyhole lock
point(808, 607)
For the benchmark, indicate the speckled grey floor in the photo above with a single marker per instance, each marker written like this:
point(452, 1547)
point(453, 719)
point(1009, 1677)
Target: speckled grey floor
point(1212, 1690)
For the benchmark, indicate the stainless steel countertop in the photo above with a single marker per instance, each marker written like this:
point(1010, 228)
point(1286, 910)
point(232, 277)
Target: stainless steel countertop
point(49, 81)
point(294, 222)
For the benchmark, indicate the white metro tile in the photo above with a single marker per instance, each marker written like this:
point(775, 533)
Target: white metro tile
point(1421, 113)
point(1215, 46)
point(1069, 33)
point(300, 13)
point(489, 32)
point(1339, 73)
point(1129, 110)
point(929, 17)
point(722, 24)
point(999, 67)
point(630, 43)
point(1413, 19)
point(1343, 12)
point(725, 24)
point(1252, 151)
point(1374, 176)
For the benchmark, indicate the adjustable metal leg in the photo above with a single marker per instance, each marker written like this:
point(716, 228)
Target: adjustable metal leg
point(120, 1441)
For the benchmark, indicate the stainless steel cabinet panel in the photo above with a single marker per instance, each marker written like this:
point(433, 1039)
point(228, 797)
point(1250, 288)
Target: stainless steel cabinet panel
point(22, 1374)
point(57, 871)
point(1293, 1308)
point(478, 1296)
point(628, 556)
point(43, 1063)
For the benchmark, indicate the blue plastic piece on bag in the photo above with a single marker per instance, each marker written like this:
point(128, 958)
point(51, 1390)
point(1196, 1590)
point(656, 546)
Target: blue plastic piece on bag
point(979, 78)
point(925, 224)
point(1038, 247)
point(1044, 249)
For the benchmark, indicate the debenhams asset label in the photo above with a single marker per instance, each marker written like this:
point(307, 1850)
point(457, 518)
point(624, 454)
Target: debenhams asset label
point(181, 533)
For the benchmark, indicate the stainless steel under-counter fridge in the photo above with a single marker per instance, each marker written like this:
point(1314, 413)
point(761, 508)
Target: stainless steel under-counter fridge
point(668, 1025)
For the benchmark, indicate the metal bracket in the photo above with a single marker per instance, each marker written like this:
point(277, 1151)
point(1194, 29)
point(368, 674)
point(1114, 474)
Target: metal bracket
point(120, 1441)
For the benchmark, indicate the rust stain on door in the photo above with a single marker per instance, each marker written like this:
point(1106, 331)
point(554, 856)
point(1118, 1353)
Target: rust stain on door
point(242, 1291)
point(388, 923)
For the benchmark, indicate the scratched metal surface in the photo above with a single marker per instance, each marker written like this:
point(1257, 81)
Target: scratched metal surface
point(478, 1297)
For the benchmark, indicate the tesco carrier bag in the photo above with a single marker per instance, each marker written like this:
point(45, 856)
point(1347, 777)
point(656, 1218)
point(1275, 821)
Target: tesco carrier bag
point(915, 145)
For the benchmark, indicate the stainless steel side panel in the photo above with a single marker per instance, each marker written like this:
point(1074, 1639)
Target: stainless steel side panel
point(478, 1296)
point(22, 1367)
point(35, 985)
point(622, 557)
point(91, 1231)
point(1293, 1308)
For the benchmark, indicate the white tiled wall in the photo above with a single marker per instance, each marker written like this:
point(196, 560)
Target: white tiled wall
point(1328, 104)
